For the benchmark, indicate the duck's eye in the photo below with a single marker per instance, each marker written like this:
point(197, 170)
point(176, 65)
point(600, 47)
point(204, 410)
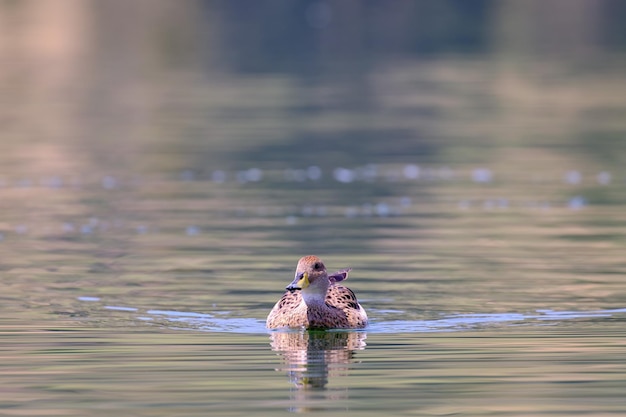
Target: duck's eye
point(317, 266)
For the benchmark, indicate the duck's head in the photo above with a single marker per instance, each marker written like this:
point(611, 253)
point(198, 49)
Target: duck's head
point(311, 278)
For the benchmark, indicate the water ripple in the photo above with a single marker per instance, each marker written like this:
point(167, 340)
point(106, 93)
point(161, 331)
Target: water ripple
point(224, 322)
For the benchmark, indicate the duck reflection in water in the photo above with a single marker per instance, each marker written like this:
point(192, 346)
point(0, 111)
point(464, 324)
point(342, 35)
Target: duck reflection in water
point(312, 357)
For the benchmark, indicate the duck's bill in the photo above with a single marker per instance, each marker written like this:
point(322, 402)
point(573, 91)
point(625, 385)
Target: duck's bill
point(301, 281)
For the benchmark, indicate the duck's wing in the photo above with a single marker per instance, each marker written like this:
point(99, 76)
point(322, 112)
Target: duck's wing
point(289, 301)
point(342, 298)
point(282, 315)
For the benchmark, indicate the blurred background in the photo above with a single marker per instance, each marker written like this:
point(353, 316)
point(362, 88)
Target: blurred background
point(161, 87)
point(402, 133)
point(209, 133)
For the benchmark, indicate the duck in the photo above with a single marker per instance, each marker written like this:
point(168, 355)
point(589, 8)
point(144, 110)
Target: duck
point(315, 301)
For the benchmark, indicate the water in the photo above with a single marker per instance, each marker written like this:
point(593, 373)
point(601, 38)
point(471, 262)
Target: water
point(156, 194)
point(153, 302)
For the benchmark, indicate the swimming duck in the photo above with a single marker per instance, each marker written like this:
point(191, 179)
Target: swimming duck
point(314, 300)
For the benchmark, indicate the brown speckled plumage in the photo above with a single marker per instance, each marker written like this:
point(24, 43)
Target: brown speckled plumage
point(319, 303)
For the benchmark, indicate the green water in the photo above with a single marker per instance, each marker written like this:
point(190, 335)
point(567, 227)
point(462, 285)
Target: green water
point(151, 214)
